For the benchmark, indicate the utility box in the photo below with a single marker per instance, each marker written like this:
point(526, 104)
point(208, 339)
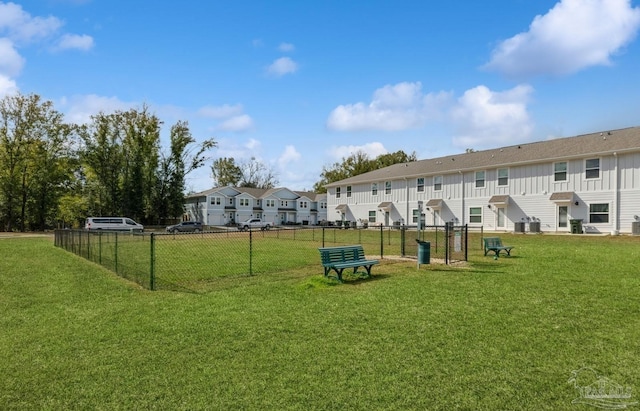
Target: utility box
point(424, 252)
point(576, 226)
point(519, 227)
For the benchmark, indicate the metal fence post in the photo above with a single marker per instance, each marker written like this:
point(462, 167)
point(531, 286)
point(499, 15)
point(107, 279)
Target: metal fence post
point(100, 248)
point(116, 251)
point(403, 233)
point(466, 242)
point(152, 265)
point(250, 251)
point(381, 242)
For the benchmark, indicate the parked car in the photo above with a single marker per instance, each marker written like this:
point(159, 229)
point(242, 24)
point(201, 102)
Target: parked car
point(253, 224)
point(112, 224)
point(185, 227)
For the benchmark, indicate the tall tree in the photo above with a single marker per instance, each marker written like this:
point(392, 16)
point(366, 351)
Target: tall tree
point(183, 158)
point(226, 172)
point(358, 163)
point(255, 174)
point(141, 144)
point(32, 141)
point(103, 161)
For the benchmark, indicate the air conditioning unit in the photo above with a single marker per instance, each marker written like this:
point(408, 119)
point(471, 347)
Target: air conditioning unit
point(534, 227)
point(519, 227)
point(635, 228)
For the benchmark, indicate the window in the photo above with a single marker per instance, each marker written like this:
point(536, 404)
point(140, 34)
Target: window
point(304, 204)
point(560, 171)
point(592, 168)
point(503, 176)
point(374, 189)
point(244, 202)
point(479, 179)
point(348, 191)
point(437, 183)
point(284, 203)
point(599, 213)
point(372, 216)
point(387, 187)
point(215, 200)
point(475, 215)
point(323, 205)
point(337, 192)
point(420, 184)
point(270, 203)
point(415, 216)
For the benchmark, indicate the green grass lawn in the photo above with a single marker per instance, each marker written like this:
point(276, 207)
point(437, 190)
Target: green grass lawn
point(494, 334)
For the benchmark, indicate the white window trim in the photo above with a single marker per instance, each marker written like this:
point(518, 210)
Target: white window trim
point(599, 169)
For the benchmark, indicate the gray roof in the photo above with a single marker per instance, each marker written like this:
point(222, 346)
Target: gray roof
point(258, 192)
point(596, 144)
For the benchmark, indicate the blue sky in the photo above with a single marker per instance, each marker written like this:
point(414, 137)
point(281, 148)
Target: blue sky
point(299, 85)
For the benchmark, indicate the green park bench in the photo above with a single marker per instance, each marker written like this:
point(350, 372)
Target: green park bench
point(348, 256)
point(495, 244)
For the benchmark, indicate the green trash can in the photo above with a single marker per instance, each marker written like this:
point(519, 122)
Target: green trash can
point(424, 252)
point(576, 226)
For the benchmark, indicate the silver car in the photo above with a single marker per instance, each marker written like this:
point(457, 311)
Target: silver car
point(185, 227)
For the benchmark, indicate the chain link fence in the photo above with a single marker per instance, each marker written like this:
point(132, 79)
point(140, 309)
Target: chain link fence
point(195, 261)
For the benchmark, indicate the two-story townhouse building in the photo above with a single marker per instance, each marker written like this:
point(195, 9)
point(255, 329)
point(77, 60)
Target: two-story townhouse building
point(542, 186)
point(227, 205)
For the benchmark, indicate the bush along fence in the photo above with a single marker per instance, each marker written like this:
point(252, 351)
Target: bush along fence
point(194, 261)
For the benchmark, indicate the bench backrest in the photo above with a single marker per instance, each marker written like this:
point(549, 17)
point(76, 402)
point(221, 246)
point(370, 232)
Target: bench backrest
point(490, 242)
point(341, 254)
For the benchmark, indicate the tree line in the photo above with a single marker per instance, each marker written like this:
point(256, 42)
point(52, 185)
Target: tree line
point(55, 174)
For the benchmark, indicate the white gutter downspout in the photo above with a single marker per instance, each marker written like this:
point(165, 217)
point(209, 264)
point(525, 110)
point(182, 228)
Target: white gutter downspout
point(406, 184)
point(462, 198)
point(616, 197)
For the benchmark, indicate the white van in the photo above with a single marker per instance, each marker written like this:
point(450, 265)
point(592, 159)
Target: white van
point(112, 224)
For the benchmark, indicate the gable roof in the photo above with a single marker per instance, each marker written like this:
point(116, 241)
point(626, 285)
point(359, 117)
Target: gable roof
point(595, 144)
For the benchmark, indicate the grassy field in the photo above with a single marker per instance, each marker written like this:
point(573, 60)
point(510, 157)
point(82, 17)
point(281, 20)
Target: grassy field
point(494, 334)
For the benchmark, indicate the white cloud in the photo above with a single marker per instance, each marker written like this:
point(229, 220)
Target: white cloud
point(219, 112)
point(286, 47)
point(282, 66)
point(79, 109)
point(11, 62)
point(74, 41)
point(484, 118)
point(289, 155)
point(231, 117)
point(393, 108)
point(373, 150)
point(7, 86)
point(239, 150)
point(575, 34)
point(237, 123)
point(253, 145)
point(20, 26)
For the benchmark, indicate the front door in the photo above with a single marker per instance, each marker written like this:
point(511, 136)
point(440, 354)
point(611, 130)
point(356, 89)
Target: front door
point(436, 217)
point(501, 218)
point(386, 218)
point(563, 218)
